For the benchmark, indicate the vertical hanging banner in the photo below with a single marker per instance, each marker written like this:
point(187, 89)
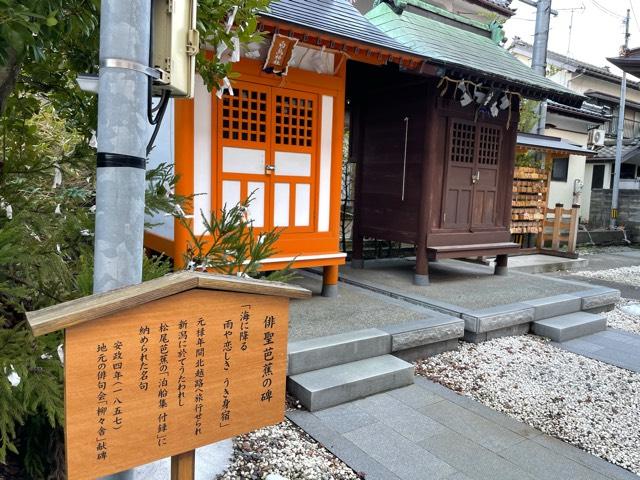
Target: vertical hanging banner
point(169, 372)
point(279, 54)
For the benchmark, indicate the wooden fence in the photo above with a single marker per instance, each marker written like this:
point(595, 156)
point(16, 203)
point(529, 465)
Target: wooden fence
point(560, 228)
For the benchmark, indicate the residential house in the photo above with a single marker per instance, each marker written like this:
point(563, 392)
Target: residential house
point(599, 112)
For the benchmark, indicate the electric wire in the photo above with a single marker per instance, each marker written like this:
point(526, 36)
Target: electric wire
point(606, 10)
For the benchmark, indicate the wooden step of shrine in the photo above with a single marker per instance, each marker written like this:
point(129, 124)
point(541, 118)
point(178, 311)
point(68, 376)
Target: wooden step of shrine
point(475, 250)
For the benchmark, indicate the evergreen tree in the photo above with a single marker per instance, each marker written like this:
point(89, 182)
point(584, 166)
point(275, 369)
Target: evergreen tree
point(47, 197)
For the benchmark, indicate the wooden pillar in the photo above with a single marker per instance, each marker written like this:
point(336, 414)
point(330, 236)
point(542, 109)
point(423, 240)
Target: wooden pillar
point(573, 228)
point(557, 221)
point(330, 281)
point(183, 111)
point(430, 154)
point(501, 264)
point(183, 466)
point(357, 239)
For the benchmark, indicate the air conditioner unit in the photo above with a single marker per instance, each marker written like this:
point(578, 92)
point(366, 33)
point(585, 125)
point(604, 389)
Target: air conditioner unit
point(596, 138)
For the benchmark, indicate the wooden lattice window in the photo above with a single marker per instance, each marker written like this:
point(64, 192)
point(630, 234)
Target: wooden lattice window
point(489, 151)
point(463, 140)
point(244, 116)
point(293, 121)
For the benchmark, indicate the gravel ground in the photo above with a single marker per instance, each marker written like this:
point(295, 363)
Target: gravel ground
point(626, 316)
point(582, 401)
point(596, 250)
point(628, 275)
point(284, 450)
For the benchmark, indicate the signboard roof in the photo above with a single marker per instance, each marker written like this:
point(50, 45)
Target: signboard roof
point(88, 308)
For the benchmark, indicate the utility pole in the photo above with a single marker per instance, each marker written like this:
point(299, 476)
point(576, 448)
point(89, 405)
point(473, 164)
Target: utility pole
point(122, 138)
point(619, 134)
point(539, 55)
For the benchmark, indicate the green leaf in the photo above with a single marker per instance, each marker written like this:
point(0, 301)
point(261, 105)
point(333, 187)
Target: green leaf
point(51, 21)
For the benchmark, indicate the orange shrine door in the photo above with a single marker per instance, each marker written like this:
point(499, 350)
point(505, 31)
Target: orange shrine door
point(267, 147)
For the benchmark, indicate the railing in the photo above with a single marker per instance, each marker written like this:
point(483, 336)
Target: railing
point(631, 128)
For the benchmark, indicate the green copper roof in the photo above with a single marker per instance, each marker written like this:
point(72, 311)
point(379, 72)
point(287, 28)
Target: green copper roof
point(464, 51)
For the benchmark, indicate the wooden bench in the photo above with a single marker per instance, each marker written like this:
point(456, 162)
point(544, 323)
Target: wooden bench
point(500, 250)
point(476, 250)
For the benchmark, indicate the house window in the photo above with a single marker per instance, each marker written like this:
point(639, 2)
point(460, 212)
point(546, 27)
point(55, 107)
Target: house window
point(560, 169)
point(597, 180)
point(628, 171)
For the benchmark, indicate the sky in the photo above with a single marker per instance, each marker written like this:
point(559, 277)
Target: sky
point(597, 33)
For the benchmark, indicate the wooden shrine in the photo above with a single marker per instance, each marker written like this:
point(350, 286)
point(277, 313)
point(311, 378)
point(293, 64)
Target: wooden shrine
point(429, 171)
point(432, 99)
point(276, 134)
point(162, 368)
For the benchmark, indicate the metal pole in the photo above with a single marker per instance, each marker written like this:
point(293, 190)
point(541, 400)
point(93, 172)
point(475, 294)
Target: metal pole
point(122, 137)
point(619, 135)
point(539, 54)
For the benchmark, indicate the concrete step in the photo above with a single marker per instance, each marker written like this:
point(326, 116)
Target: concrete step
point(335, 385)
point(548, 307)
point(323, 352)
point(570, 326)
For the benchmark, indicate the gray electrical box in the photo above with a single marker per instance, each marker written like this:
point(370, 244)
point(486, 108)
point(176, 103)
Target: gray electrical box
point(175, 44)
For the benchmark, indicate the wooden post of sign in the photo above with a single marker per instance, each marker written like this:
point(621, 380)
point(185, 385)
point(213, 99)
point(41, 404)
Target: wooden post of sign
point(183, 466)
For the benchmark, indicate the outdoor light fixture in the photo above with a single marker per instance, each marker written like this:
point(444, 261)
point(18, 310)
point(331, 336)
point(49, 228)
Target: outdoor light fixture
point(88, 82)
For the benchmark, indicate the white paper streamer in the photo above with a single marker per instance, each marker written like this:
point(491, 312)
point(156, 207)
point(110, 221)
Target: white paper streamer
point(13, 377)
point(57, 177)
point(61, 353)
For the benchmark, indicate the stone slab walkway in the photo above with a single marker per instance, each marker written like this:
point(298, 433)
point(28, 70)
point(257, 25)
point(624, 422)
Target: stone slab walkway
point(615, 347)
point(426, 431)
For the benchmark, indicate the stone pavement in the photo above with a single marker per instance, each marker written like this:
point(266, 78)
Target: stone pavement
point(426, 431)
point(615, 347)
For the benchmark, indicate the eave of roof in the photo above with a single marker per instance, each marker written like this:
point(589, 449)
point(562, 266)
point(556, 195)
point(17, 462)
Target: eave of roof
point(630, 62)
point(338, 19)
point(469, 54)
point(580, 113)
point(545, 143)
point(611, 98)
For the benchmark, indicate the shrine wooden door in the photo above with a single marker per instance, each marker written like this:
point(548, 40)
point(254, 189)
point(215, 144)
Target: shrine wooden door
point(472, 176)
point(267, 147)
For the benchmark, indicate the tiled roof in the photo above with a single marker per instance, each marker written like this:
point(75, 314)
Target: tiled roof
point(608, 152)
point(465, 51)
point(335, 17)
point(587, 111)
point(581, 66)
point(545, 142)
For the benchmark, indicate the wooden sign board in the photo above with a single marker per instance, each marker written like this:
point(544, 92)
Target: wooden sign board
point(157, 378)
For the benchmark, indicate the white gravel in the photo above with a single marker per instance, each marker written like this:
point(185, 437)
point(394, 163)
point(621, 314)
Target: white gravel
point(625, 316)
point(588, 403)
point(284, 450)
point(628, 275)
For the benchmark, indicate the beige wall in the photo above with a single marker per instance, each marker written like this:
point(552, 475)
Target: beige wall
point(581, 83)
point(562, 192)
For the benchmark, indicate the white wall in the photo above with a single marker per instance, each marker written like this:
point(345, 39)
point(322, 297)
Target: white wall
point(562, 192)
